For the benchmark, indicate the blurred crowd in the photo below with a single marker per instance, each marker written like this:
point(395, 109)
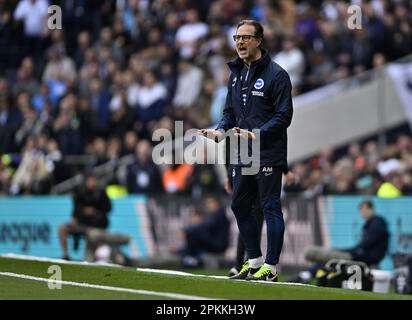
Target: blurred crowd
point(364, 169)
point(120, 69)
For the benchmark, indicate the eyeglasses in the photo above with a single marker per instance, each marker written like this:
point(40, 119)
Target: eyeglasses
point(245, 37)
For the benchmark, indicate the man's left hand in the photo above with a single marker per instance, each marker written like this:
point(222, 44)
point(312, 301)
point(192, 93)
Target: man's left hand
point(244, 133)
point(89, 211)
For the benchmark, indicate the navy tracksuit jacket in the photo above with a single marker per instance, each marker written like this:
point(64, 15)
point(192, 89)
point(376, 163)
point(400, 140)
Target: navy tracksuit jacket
point(267, 106)
point(259, 97)
point(374, 243)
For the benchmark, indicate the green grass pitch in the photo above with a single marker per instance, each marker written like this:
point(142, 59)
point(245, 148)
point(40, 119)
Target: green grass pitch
point(148, 285)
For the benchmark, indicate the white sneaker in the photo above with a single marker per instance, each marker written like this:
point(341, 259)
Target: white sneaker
point(233, 271)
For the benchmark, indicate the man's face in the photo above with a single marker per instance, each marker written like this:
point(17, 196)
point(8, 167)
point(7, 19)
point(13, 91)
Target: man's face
point(247, 49)
point(365, 212)
point(91, 182)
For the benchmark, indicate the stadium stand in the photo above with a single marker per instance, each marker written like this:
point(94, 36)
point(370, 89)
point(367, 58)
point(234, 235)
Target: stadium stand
point(81, 97)
point(88, 97)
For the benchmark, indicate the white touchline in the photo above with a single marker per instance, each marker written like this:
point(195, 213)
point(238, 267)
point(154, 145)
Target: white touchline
point(58, 261)
point(186, 274)
point(108, 288)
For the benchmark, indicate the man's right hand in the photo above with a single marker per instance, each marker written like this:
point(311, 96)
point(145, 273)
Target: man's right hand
point(89, 211)
point(215, 135)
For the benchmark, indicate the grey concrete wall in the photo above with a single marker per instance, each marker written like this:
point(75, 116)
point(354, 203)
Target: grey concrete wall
point(343, 117)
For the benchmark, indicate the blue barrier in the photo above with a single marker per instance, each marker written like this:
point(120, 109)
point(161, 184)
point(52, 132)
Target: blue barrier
point(345, 223)
point(29, 225)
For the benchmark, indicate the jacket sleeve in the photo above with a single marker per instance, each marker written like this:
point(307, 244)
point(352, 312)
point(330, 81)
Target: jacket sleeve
point(282, 101)
point(228, 120)
point(105, 205)
point(77, 204)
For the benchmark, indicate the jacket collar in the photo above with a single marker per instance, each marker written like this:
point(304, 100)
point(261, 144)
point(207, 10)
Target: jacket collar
point(237, 64)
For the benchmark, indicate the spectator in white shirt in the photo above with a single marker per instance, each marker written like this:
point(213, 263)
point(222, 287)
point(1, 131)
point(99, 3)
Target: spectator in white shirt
point(151, 98)
point(188, 35)
point(292, 60)
point(33, 14)
point(59, 66)
point(189, 84)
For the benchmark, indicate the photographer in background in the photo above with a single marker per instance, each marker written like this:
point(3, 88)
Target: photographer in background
point(91, 206)
point(208, 233)
point(371, 249)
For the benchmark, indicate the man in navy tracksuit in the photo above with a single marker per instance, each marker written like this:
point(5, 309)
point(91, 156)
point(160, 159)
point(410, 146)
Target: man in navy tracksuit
point(371, 249)
point(259, 98)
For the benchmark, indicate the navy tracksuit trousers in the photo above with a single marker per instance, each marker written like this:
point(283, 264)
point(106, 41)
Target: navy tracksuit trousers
point(267, 185)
